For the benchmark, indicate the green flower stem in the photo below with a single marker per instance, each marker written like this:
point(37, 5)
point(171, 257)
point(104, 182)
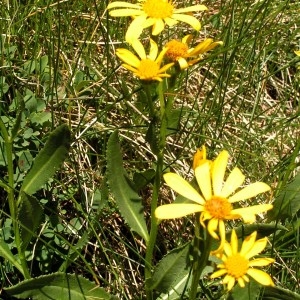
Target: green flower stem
point(11, 199)
point(201, 251)
point(158, 178)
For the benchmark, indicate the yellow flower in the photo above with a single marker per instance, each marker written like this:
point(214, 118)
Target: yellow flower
point(200, 157)
point(216, 199)
point(237, 265)
point(147, 67)
point(179, 51)
point(155, 13)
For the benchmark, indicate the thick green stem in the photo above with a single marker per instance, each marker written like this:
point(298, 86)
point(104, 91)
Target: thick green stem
point(157, 184)
point(201, 251)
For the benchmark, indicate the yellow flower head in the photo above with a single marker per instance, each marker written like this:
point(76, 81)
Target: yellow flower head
point(146, 67)
point(155, 13)
point(236, 266)
point(200, 157)
point(215, 202)
point(179, 51)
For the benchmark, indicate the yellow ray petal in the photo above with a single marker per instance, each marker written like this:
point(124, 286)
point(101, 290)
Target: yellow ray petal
point(139, 49)
point(165, 68)
point(212, 227)
point(260, 276)
point(128, 57)
point(258, 247)
point(123, 4)
point(248, 213)
point(126, 12)
point(227, 249)
point(248, 243)
point(201, 48)
point(241, 282)
point(234, 180)
point(218, 273)
point(297, 52)
point(234, 242)
point(192, 8)
point(170, 22)
point(202, 174)
point(183, 64)
point(135, 29)
point(153, 50)
point(191, 20)
point(218, 171)
point(261, 262)
point(172, 211)
point(158, 27)
point(182, 187)
point(249, 191)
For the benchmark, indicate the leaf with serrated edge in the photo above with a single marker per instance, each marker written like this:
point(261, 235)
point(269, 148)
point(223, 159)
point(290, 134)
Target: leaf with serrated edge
point(127, 199)
point(48, 160)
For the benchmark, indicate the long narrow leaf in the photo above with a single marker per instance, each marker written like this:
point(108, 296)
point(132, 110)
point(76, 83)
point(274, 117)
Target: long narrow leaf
point(48, 160)
point(128, 201)
point(58, 286)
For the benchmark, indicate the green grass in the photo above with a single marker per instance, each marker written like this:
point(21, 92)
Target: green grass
point(243, 97)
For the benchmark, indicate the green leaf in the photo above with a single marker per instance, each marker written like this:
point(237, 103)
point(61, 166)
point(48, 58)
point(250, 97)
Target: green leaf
point(128, 201)
point(277, 293)
point(172, 268)
point(6, 253)
point(287, 204)
point(58, 286)
point(48, 160)
point(30, 214)
point(249, 292)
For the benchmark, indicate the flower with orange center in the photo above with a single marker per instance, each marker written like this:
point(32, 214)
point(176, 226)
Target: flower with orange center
point(179, 51)
point(155, 13)
point(146, 67)
point(236, 266)
point(216, 198)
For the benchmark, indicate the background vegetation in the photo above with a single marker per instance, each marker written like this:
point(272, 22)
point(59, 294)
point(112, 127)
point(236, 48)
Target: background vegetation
point(59, 57)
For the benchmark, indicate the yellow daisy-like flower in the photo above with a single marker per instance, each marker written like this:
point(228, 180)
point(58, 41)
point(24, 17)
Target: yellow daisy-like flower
point(147, 67)
point(179, 51)
point(236, 266)
point(217, 197)
point(155, 13)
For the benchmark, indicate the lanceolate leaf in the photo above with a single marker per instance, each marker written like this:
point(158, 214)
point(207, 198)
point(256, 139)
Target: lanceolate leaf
point(30, 214)
point(48, 160)
point(287, 204)
point(58, 286)
point(128, 201)
point(249, 292)
point(174, 266)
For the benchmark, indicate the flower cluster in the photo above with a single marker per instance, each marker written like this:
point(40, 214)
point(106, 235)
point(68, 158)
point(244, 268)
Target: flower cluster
point(157, 14)
point(214, 200)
